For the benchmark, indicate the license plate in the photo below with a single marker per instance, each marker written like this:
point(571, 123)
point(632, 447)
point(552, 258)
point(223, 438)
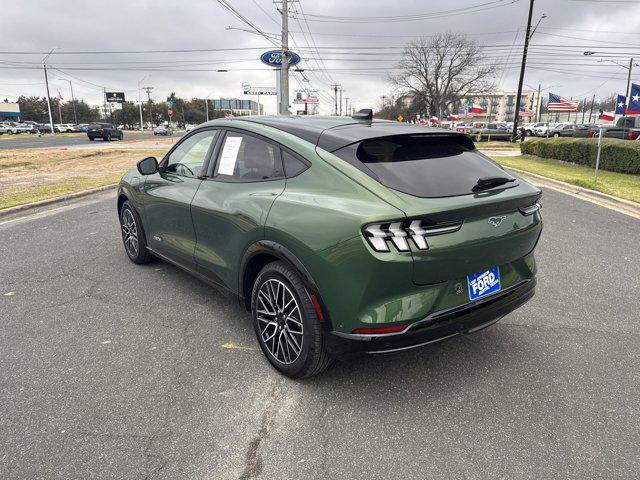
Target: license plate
point(484, 283)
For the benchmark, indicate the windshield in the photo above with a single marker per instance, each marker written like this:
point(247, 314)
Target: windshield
point(423, 165)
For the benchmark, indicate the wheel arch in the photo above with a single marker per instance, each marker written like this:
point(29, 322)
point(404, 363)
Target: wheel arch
point(263, 252)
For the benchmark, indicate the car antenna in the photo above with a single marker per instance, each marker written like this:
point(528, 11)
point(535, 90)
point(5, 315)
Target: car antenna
point(364, 114)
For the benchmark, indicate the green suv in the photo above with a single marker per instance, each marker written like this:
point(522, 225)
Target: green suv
point(342, 236)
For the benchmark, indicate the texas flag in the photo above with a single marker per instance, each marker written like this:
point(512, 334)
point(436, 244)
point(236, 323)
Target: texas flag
point(609, 116)
point(621, 104)
point(475, 108)
point(634, 100)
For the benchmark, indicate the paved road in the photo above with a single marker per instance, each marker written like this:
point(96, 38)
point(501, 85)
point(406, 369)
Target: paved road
point(111, 370)
point(47, 141)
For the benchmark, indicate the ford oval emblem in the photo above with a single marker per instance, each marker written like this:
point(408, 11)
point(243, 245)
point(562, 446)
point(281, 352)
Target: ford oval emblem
point(273, 58)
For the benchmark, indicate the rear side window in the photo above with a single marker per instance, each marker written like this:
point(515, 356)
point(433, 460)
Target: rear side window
point(423, 165)
point(292, 164)
point(246, 158)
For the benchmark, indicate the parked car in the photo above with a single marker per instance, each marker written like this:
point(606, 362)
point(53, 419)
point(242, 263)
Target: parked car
point(66, 127)
point(541, 129)
point(105, 131)
point(44, 127)
point(562, 130)
point(83, 127)
point(11, 128)
point(163, 130)
point(188, 127)
point(491, 131)
point(27, 127)
point(626, 128)
point(3, 129)
point(332, 260)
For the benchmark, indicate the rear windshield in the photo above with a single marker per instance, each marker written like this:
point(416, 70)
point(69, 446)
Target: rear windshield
point(423, 165)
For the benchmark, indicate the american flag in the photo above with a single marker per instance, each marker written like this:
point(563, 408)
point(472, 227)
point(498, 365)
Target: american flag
point(559, 104)
point(526, 112)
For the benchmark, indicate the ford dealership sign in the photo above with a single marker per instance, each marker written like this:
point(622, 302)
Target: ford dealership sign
point(273, 58)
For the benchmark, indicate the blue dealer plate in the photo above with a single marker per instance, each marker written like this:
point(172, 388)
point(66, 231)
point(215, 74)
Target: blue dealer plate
point(483, 283)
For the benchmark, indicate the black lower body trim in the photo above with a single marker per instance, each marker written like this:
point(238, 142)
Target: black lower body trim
point(469, 319)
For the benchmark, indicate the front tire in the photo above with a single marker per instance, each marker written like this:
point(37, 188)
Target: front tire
point(135, 243)
point(286, 324)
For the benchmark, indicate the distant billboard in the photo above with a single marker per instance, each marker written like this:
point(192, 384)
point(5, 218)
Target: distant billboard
point(114, 97)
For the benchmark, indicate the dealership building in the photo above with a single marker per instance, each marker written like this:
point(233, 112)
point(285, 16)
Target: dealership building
point(9, 112)
point(236, 106)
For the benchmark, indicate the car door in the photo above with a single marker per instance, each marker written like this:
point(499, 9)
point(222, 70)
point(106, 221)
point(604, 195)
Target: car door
point(231, 206)
point(168, 195)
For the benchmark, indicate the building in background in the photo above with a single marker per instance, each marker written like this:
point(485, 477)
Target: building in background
point(236, 106)
point(501, 106)
point(9, 111)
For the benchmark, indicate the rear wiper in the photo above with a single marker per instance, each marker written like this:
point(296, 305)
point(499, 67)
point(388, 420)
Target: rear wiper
point(489, 182)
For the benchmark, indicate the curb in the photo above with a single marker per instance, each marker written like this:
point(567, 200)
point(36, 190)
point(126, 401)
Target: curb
point(626, 206)
point(50, 201)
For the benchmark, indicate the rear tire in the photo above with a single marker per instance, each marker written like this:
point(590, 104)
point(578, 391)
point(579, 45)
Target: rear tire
point(556, 135)
point(91, 139)
point(286, 324)
point(133, 238)
point(107, 138)
point(120, 137)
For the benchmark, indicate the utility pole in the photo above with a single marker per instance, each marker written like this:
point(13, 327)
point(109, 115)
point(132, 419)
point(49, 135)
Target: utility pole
point(584, 109)
point(283, 107)
point(346, 106)
point(335, 87)
point(148, 90)
point(340, 101)
point(522, 69)
point(539, 105)
point(46, 81)
point(593, 101)
point(73, 100)
point(627, 92)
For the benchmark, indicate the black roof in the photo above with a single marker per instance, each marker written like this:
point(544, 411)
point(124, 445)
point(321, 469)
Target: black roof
point(332, 133)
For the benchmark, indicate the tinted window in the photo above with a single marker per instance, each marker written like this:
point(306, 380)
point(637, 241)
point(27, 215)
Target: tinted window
point(248, 158)
point(190, 154)
point(292, 164)
point(422, 165)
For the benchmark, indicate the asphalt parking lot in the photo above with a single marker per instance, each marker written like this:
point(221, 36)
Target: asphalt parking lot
point(48, 141)
point(111, 370)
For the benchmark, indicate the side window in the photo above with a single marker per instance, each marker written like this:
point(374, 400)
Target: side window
point(190, 154)
point(248, 158)
point(292, 164)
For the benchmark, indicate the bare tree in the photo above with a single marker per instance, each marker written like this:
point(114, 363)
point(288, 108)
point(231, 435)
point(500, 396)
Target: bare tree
point(441, 70)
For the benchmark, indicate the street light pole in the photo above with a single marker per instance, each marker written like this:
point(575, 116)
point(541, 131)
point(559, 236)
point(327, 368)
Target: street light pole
point(140, 102)
point(73, 100)
point(46, 81)
point(627, 92)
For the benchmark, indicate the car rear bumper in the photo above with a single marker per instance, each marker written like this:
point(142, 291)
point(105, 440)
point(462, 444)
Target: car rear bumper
point(468, 318)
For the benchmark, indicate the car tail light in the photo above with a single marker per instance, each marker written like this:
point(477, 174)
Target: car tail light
point(380, 330)
point(398, 232)
point(634, 135)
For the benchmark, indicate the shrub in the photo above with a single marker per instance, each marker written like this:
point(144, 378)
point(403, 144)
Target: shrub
point(616, 155)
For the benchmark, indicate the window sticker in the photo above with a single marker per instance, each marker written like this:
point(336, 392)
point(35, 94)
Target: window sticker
point(229, 155)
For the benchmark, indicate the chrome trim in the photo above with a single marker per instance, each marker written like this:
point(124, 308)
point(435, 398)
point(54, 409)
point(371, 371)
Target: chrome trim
point(433, 316)
point(531, 209)
point(441, 230)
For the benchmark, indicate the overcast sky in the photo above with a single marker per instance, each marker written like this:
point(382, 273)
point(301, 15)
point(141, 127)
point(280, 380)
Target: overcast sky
point(611, 29)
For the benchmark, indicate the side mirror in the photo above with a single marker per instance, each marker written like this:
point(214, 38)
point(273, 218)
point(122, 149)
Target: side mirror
point(148, 166)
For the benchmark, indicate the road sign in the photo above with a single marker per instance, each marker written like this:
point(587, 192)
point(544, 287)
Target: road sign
point(273, 58)
point(114, 97)
point(170, 112)
point(248, 90)
point(169, 103)
point(400, 118)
